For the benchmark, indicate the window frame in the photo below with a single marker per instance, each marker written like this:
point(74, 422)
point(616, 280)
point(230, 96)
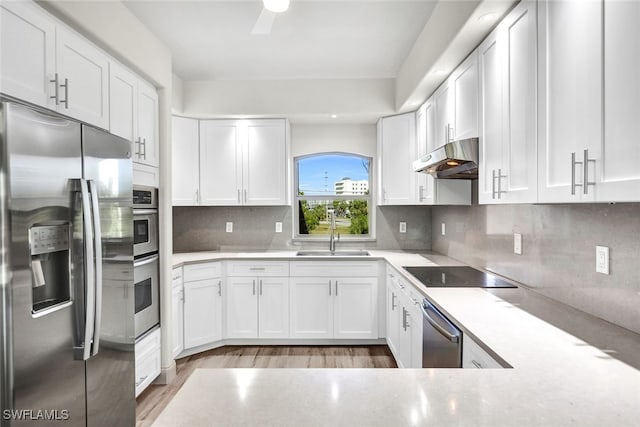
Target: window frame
point(296, 236)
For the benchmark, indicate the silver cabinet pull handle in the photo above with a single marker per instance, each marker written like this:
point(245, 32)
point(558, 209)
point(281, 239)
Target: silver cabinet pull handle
point(476, 364)
point(449, 133)
point(404, 318)
point(141, 380)
point(421, 193)
point(573, 173)
point(329, 287)
point(245, 195)
point(197, 196)
point(254, 287)
point(500, 176)
point(393, 302)
point(219, 288)
point(257, 268)
point(56, 90)
point(238, 196)
point(144, 146)
point(182, 296)
point(65, 101)
point(493, 183)
point(336, 288)
point(585, 180)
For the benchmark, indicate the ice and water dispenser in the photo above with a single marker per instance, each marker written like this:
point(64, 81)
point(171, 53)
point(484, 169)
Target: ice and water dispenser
point(49, 248)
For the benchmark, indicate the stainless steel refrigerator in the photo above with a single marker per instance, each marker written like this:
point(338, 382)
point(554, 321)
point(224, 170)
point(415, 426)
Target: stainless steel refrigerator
point(67, 297)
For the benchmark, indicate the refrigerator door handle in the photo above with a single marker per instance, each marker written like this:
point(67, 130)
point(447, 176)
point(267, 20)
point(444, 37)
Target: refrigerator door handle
point(89, 269)
point(97, 235)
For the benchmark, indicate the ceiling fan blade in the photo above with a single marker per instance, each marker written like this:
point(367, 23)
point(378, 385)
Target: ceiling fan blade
point(264, 23)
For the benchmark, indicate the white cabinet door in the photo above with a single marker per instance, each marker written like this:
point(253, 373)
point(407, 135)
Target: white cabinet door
point(464, 81)
point(415, 326)
point(425, 136)
point(220, 163)
point(177, 315)
point(444, 115)
point(619, 178)
point(148, 148)
point(202, 312)
point(185, 160)
point(490, 58)
point(273, 307)
point(311, 310)
point(242, 307)
point(265, 163)
point(397, 153)
point(85, 71)
point(519, 156)
point(27, 53)
point(394, 312)
point(123, 102)
point(356, 308)
point(570, 99)
point(404, 335)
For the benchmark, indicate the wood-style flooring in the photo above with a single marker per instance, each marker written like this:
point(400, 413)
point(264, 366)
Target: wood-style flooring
point(156, 397)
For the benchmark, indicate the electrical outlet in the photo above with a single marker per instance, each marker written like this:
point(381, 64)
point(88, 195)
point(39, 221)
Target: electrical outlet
point(403, 227)
point(444, 229)
point(602, 259)
point(229, 227)
point(517, 243)
point(278, 227)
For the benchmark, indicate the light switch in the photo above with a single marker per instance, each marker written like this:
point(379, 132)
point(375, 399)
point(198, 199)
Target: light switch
point(517, 243)
point(229, 227)
point(602, 259)
point(403, 227)
point(278, 227)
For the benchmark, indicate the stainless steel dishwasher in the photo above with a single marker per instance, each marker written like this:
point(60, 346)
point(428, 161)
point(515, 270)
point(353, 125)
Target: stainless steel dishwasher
point(441, 339)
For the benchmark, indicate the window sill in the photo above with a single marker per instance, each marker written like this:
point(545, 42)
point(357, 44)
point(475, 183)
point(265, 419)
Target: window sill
point(345, 240)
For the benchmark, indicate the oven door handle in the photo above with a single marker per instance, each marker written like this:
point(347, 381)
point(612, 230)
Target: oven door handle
point(144, 212)
point(145, 261)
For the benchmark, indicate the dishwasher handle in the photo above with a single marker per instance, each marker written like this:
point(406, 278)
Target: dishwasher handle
point(427, 306)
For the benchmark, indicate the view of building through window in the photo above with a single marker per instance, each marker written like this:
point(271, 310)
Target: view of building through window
point(333, 184)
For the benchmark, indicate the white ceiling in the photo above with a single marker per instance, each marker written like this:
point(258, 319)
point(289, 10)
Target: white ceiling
point(314, 39)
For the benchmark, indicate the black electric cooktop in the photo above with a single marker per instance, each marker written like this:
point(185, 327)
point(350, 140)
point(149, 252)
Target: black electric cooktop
point(457, 277)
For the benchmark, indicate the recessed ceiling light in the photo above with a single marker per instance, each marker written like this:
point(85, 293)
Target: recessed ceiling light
point(334, 116)
point(488, 17)
point(276, 6)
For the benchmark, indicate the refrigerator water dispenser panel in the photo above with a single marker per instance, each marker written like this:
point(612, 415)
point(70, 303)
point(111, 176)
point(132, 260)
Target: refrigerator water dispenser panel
point(49, 248)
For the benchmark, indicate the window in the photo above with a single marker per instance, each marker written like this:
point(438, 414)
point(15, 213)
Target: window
point(333, 184)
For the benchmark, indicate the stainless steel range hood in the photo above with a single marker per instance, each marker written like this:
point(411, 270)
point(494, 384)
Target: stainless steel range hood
point(454, 160)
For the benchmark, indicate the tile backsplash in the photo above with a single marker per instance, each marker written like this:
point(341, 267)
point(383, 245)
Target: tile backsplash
point(202, 228)
point(558, 251)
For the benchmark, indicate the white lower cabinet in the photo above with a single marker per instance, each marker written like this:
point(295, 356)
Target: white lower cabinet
point(147, 360)
point(177, 312)
point(404, 322)
point(241, 307)
point(324, 306)
point(202, 311)
point(474, 357)
point(273, 307)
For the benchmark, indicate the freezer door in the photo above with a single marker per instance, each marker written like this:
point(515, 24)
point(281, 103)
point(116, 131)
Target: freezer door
point(110, 369)
point(44, 162)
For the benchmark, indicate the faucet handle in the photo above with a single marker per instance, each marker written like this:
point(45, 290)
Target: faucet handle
point(338, 236)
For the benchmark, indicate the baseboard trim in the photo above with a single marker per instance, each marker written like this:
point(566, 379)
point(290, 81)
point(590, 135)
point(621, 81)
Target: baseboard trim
point(167, 375)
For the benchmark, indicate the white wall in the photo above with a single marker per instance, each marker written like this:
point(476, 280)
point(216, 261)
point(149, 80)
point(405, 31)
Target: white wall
point(316, 138)
point(177, 104)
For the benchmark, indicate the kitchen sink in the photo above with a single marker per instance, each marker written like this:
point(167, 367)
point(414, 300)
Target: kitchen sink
point(336, 253)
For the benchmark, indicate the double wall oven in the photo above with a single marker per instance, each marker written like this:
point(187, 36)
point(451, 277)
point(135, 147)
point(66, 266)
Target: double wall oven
point(145, 266)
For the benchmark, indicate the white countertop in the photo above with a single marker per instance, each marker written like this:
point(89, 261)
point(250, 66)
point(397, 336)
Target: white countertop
point(556, 380)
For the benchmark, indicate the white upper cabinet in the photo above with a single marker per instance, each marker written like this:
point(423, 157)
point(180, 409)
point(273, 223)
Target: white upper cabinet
point(123, 87)
point(396, 148)
point(265, 163)
point(570, 100)
point(185, 158)
point(147, 141)
point(244, 162)
point(220, 163)
point(444, 120)
point(27, 53)
point(464, 82)
point(508, 137)
point(619, 174)
point(83, 79)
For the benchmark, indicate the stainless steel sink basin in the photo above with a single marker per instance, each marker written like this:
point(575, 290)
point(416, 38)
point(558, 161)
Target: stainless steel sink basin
point(336, 253)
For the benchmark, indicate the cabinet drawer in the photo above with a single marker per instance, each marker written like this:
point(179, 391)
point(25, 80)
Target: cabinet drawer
point(334, 269)
point(258, 268)
point(474, 357)
point(176, 277)
point(208, 270)
point(147, 370)
point(149, 343)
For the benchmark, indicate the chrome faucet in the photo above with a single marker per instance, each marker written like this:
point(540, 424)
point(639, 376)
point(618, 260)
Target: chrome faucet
point(332, 237)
